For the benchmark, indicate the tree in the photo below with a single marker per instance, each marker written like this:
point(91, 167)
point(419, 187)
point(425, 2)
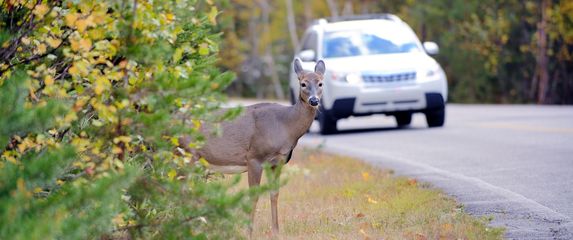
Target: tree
point(97, 94)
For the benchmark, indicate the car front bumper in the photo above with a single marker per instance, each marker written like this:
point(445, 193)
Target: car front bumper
point(359, 100)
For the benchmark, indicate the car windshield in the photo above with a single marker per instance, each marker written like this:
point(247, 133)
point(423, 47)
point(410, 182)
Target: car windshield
point(351, 43)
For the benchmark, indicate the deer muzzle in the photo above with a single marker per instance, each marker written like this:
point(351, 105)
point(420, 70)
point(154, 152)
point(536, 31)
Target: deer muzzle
point(313, 101)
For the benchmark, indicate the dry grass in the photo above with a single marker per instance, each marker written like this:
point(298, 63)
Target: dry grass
point(333, 197)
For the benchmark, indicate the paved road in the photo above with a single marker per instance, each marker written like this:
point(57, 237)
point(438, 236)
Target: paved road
point(512, 162)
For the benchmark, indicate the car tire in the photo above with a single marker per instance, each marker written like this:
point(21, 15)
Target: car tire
point(403, 119)
point(436, 117)
point(327, 123)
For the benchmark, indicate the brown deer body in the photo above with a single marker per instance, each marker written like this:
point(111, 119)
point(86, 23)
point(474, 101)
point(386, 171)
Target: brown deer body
point(265, 133)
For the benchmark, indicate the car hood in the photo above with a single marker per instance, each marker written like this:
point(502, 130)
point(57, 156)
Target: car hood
point(381, 63)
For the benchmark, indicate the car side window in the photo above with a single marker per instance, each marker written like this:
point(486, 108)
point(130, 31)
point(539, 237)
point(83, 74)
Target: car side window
point(310, 42)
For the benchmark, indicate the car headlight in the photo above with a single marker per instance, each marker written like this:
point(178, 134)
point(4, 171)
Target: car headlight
point(352, 78)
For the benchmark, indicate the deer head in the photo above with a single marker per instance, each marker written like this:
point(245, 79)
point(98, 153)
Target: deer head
point(310, 83)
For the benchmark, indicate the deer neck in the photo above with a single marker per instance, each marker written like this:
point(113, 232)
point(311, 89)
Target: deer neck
point(300, 117)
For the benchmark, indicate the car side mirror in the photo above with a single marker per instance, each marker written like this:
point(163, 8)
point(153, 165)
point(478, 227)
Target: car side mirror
point(307, 55)
point(431, 48)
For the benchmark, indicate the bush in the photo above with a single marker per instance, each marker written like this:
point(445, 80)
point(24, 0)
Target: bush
point(94, 97)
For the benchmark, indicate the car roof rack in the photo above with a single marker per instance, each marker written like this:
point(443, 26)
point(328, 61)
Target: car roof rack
point(384, 16)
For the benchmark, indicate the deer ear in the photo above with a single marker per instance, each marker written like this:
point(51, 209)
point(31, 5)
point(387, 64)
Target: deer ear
point(320, 68)
point(298, 68)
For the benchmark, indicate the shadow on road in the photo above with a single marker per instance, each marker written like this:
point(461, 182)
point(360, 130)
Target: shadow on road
point(368, 130)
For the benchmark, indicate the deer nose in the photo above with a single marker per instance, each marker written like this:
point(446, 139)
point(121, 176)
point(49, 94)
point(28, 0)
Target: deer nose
point(313, 101)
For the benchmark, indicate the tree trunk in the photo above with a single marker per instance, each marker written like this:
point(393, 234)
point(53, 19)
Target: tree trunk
point(252, 61)
point(542, 58)
point(348, 9)
point(270, 63)
point(333, 8)
point(307, 13)
point(291, 25)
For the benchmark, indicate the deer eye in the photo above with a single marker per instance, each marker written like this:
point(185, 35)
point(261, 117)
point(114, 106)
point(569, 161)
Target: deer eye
point(303, 85)
point(320, 84)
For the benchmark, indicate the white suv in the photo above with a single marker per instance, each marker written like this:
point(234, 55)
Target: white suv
point(375, 64)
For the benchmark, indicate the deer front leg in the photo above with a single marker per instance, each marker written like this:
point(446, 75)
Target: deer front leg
point(254, 171)
point(275, 200)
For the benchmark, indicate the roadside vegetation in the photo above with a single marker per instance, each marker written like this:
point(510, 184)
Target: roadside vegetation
point(333, 197)
point(94, 96)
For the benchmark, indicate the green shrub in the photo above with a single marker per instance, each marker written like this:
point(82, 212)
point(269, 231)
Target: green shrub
point(94, 95)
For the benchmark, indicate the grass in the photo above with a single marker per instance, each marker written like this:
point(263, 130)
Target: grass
point(334, 197)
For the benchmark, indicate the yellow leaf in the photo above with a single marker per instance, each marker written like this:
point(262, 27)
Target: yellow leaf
point(41, 49)
point(48, 80)
point(41, 10)
point(78, 68)
point(371, 200)
point(70, 116)
point(85, 44)
point(124, 139)
point(101, 84)
point(169, 16)
point(119, 164)
point(203, 49)
point(196, 123)
point(75, 44)
point(118, 220)
point(37, 190)
point(70, 19)
point(172, 174)
point(122, 104)
point(25, 40)
point(116, 150)
point(73, 70)
point(53, 131)
point(54, 42)
point(81, 45)
point(204, 162)
point(98, 17)
point(213, 15)
point(177, 54)
point(96, 33)
point(365, 176)
point(175, 141)
point(81, 24)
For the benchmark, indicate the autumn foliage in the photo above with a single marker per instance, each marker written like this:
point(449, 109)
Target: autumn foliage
point(94, 95)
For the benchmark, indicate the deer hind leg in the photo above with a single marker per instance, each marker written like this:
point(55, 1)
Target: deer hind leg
point(276, 172)
point(254, 172)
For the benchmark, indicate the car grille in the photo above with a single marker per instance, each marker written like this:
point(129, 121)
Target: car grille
point(389, 78)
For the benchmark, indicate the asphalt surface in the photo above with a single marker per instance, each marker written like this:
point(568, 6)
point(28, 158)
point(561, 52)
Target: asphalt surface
point(514, 163)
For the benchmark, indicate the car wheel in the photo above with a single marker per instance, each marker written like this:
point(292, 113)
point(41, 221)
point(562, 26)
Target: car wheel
point(327, 123)
point(436, 117)
point(403, 119)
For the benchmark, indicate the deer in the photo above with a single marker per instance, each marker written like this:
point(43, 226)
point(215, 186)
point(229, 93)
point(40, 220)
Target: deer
point(265, 133)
